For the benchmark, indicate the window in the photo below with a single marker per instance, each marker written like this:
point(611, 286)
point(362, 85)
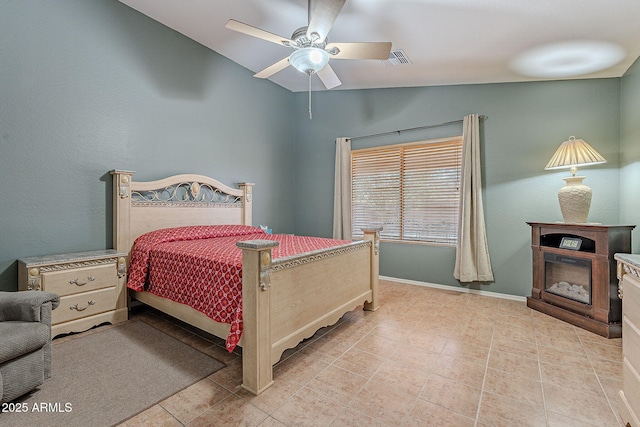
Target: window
point(412, 190)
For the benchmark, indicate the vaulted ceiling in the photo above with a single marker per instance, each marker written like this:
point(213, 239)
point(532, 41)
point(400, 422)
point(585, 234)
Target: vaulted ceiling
point(447, 42)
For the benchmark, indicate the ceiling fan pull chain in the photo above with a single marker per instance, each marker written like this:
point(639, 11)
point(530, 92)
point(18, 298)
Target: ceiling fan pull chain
point(309, 96)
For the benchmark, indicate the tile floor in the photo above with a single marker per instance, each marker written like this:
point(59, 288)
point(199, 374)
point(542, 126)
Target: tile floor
point(427, 357)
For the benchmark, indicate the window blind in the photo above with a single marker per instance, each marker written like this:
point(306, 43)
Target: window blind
point(412, 190)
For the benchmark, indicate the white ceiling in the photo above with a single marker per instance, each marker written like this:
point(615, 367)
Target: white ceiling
point(448, 41)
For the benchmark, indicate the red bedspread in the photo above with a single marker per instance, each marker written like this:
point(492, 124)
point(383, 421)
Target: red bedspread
point(202, 267)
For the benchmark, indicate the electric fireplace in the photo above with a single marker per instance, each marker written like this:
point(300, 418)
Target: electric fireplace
point(569, 277)
point(574, 274)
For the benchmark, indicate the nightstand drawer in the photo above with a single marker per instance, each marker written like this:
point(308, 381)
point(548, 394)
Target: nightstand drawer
point(85, 304)
point(69, 282)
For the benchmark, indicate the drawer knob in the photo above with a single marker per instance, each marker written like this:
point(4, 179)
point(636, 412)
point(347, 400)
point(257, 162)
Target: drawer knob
point(78, 308)
point(77, 282)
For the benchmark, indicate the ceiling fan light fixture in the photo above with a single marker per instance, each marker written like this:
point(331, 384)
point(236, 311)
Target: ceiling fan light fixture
point(309, 60)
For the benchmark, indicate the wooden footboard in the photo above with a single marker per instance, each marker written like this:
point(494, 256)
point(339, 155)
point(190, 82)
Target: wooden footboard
point(288, 300)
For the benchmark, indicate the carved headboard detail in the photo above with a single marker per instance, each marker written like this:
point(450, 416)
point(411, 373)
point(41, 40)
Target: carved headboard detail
point(179, 200)
point(184, 194)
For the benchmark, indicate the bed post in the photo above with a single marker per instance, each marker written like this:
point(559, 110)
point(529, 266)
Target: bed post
point(257, 366)
point(373, 235)
point(121, 210)
point(247, 198)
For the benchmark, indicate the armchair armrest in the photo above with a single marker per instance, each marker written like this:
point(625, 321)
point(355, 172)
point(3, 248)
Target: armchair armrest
point(26, 306)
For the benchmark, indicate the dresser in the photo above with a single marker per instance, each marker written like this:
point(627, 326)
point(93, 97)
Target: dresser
point(91, 286)
point(629, 291)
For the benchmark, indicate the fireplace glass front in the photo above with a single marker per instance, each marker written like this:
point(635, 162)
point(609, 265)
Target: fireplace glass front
point(568, 277)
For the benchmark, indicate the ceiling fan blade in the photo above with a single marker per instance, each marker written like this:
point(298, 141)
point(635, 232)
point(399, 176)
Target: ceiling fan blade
point(365, 50)
point(324, 15)
point(272, 69)
point(241, 27)
point(329, 77)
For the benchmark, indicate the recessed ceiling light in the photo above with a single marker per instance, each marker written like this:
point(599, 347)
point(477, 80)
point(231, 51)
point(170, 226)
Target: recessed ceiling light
point(568, 59)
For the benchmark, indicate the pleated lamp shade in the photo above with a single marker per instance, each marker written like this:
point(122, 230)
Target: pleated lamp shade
point(574, 197)
point(574, 153)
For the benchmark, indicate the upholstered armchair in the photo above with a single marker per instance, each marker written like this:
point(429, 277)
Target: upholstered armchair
point(25, 341)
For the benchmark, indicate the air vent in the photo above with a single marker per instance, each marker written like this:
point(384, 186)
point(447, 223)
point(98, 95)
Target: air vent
point(397, 57)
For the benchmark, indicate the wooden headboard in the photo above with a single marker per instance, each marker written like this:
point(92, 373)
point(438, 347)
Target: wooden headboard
point(176, 201)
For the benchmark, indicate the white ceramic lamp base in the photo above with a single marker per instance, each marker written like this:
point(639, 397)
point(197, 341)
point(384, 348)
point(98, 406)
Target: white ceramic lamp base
point(575, 200)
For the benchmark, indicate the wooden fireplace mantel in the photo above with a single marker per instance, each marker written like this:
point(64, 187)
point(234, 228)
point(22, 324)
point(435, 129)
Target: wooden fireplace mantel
point(603, 315)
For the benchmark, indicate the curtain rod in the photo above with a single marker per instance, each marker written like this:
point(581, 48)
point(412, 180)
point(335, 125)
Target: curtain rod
point(481, 116)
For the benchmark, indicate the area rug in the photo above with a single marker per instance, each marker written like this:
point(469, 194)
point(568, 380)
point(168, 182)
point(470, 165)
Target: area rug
point(108, 376)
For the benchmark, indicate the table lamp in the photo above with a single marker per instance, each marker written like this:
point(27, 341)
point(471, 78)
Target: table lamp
point(574, 197)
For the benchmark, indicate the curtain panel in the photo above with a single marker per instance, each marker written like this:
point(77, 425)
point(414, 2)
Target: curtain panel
point(342, 191)
point(472, 252)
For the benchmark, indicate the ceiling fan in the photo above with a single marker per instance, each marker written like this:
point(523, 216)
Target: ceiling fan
point(312, 49)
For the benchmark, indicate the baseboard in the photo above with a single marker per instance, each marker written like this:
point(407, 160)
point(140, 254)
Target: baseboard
point(455, 288)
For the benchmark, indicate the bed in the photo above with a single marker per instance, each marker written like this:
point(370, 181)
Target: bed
point(284, 300)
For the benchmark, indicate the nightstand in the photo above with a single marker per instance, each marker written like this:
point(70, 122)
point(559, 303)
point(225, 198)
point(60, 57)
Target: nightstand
point(91, 286)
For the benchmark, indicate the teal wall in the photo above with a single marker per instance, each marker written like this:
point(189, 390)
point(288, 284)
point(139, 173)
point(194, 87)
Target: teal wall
point(630, 151)
point(90, 86)
point(526, 122)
